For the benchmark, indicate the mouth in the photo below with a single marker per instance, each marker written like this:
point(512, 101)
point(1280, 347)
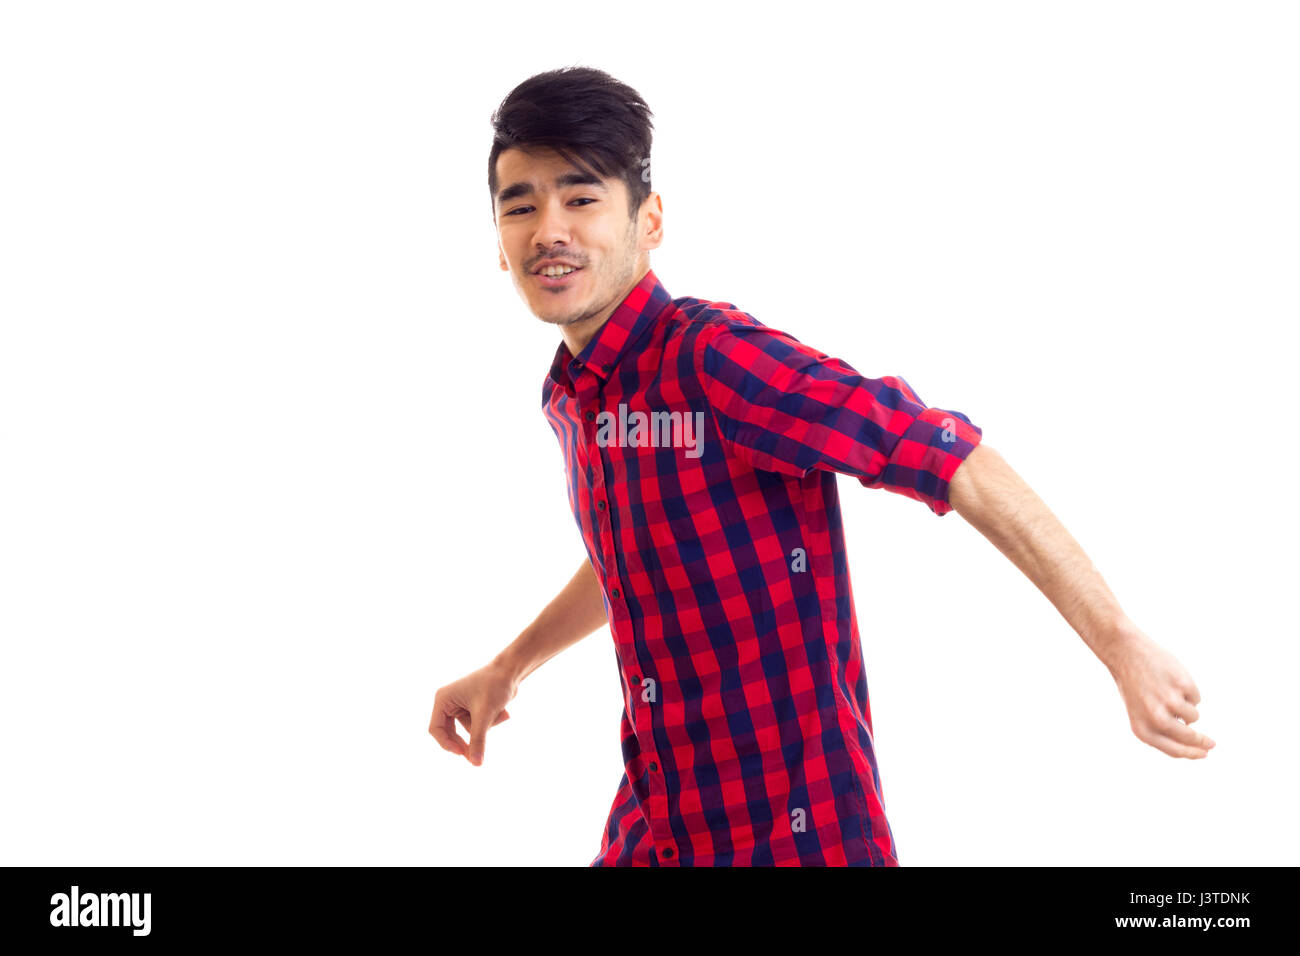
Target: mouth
point(553, 282)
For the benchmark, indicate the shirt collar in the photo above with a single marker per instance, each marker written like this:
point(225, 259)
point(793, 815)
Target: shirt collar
point(622, 330)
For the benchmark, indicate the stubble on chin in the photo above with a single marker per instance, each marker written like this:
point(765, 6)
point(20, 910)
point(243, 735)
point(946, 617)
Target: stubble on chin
point(570, 319)
point(560, 320)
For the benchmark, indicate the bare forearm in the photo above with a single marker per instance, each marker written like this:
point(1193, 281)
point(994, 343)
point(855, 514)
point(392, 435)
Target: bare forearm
point(992, 497)
point(576, 612)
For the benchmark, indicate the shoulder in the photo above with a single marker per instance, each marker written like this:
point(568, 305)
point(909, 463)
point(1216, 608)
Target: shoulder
point(731, 346)
point(708, 328)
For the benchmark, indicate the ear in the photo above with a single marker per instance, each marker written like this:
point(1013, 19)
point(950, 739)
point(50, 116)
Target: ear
point(652, 222)
point(501, 252)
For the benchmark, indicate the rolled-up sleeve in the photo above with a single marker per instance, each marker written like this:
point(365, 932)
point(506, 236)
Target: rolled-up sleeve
point(782, 406)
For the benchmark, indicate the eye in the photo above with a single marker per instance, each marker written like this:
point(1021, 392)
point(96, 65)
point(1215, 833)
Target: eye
point(523, 209)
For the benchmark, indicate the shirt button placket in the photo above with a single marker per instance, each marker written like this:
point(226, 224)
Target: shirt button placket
point(658, 821)
point(605, 531)
point(625, 644)
point(657, 804)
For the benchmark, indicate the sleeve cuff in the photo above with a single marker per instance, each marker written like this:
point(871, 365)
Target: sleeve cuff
point(927, 455)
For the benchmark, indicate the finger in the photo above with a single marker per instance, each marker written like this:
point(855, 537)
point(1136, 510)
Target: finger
point(1184, 709)
point(500, 717)
point(1192, 694)
point(1176, 749)
point(443, 728)
point(479, 725)
point(1180, 732)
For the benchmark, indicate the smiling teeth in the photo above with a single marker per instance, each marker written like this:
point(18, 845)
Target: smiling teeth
point(556, 270)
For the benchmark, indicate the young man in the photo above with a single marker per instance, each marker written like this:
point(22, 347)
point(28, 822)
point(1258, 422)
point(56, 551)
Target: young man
point(702, 449)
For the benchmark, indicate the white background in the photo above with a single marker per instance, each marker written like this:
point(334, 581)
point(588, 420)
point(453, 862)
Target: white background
point(273, 466)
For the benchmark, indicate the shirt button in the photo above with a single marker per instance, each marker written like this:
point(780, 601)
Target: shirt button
point(668, 852)
point(615, 594)
point(654, 767)
point(600, 505)
point(591, 416)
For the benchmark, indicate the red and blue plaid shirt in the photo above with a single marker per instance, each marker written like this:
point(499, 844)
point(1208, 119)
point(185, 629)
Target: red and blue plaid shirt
point(746, 728)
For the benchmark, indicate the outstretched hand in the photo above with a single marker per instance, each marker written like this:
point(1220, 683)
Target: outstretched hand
point(1161, 697)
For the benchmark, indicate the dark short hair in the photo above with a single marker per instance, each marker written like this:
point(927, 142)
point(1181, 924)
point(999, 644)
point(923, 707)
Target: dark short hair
point(579, 112)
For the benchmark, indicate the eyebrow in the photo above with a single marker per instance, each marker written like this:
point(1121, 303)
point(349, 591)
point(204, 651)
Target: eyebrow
point(571, 178)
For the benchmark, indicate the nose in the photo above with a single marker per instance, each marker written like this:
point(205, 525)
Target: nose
point(552, 224)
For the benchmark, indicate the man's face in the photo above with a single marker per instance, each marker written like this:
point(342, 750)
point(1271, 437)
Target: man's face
point(553, 210)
